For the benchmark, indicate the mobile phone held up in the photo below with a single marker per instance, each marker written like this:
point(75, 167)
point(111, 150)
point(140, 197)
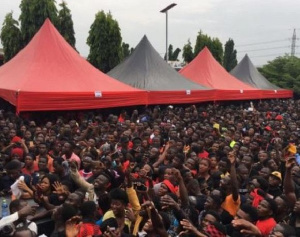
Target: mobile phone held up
point(297, 156)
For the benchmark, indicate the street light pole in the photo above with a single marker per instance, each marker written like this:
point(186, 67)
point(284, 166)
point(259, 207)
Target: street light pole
point(165, 10)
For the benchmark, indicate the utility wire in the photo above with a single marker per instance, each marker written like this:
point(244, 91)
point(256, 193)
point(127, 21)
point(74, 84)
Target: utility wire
point(269, 55)
point(263, 49)
point(259, 43)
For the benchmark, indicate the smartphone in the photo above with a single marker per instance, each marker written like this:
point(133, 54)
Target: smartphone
point(297, 158)
point(139, 185)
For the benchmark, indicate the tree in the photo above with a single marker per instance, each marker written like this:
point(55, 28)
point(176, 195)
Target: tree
point(10, 37)
point(216, 50)
point(125, 50)
point(283, 72)
point(187, 52)
point(65, 24)
point(105, 42)
point(175, 54)
point(229, 61)
point(33, 15)
point(213, 44)
point(172, 55)
point(202, 41)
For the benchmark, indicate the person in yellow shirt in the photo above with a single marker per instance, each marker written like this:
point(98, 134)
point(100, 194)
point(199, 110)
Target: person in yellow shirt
point(128, 219)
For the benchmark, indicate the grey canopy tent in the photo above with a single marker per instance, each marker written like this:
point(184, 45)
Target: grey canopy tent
point(246, 72)
point(145, 69)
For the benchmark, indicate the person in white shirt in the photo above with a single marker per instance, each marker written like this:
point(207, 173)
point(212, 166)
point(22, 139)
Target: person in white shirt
point(19, 210)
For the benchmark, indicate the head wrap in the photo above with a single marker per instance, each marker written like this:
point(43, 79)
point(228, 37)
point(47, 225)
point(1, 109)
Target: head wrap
point(171, 187)
point(18, 151)
point(256, 197)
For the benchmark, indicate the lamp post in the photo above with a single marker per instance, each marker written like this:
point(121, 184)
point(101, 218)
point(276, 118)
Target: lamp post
point(165, 10)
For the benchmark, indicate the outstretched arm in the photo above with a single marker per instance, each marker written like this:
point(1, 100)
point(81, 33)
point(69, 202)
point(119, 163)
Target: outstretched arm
point(157, 223)
point(288, 184)
point(81, 182)
point(234, 181)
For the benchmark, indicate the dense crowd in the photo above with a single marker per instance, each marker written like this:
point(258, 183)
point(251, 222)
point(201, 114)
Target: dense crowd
point(205, 170)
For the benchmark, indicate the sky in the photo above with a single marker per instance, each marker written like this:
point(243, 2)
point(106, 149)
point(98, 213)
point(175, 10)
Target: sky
point(262, 29)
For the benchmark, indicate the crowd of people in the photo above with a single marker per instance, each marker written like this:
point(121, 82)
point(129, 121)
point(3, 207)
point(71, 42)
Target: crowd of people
point(196, 170)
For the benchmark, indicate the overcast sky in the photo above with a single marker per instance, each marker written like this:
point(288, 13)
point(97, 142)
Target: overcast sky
point(261, 28)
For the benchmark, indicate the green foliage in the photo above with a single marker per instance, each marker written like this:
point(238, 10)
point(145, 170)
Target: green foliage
point(65, 24)
point(229, 61)
point(283, 72)
point(213, 44)
point(105, 42)
point(125, 50)
point(217, 50)
point(172, 55)
point(202, 41)
point(170, 52)
point(10, 37)
point(187, 52)
point(33, 15)
point(175, 54)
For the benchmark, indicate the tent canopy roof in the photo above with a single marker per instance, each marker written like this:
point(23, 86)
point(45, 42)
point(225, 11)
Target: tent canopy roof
point(146, 69)
point(53, 72)
point(205, 70)
point(49, 64)
point(246, 72)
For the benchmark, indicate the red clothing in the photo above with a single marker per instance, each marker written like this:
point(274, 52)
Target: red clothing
point(30, 172)
point(89, 229)
point(50, 162)
point(84, 174)
point(73, 157)
point(203, 154)
point(126, 165)
point(266, 226)
point(136, 176)
point(194, 172)
point(121, 119)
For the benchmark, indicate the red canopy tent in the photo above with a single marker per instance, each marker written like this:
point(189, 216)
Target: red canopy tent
point(48, 74)
point(205, 70)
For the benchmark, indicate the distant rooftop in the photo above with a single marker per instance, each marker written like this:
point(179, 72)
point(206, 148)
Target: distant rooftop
point(177, 65)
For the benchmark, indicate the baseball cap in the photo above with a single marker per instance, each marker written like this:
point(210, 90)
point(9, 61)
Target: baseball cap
point(277, 175)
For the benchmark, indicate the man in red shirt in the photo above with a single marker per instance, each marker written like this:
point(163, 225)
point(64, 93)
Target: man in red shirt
point(266, 210)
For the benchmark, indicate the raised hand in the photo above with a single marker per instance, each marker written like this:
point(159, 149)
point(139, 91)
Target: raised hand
point(232, 157)
point(177, 174)
point(290, 162)
point(188, 227)
point(59, 188)
point(129, 214)
point(27, 211)
point(167, 201)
